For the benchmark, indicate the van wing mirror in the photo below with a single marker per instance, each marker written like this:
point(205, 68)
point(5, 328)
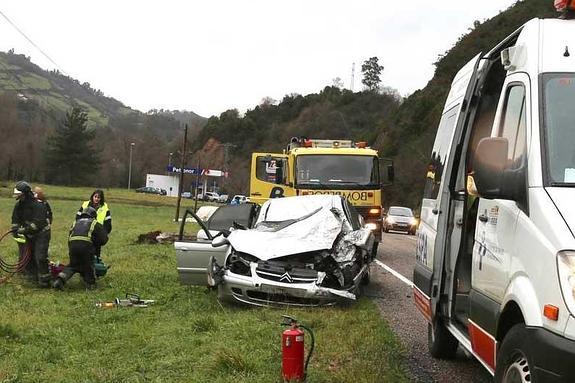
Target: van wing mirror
point(386, 163)
point(390, 173)
point(489, 165)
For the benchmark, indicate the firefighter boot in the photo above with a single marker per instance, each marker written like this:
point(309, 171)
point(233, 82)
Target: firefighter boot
point(44, 280)
point(58, 284)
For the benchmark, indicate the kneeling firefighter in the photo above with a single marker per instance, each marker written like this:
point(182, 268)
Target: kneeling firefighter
point(86, 234)
point(31, 229)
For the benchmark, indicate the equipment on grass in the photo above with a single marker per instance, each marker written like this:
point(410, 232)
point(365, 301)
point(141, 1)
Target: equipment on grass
point(293, 340)
point(131, 300)
point(100, 267)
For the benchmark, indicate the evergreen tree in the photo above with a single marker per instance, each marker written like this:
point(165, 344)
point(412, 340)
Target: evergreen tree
point(70, 156)
point(371, 71)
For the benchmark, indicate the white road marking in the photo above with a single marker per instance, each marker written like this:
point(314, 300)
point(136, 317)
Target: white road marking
point(394, 273)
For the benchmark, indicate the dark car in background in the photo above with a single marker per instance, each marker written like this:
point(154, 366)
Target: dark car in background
point(400, 218)
point(151, 190)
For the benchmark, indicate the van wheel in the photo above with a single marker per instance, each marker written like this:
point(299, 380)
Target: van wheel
point(441, 343)
point(513, 361)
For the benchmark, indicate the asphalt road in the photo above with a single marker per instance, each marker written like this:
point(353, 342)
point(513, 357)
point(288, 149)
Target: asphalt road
point(394, 298)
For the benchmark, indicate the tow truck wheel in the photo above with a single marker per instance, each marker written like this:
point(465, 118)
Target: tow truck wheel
point(513, 364)
point(441, 343)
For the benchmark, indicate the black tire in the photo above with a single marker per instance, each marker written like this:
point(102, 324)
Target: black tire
point(513, 358)
point(366, 278)
point(441, 343)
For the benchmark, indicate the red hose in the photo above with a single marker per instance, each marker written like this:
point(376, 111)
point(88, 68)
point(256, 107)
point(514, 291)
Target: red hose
point(22, 262)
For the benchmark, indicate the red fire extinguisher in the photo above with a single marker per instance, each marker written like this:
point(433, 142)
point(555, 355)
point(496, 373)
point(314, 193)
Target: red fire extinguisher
point(293, 340)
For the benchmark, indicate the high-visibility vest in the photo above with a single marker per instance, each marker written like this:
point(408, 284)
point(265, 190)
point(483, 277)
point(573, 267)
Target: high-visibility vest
point(101, 212)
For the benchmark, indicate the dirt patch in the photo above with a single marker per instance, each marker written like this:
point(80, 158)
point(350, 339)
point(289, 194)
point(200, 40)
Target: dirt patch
point(156, 237)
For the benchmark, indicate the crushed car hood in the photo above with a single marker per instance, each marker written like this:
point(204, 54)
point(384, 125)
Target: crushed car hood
point(316, 231)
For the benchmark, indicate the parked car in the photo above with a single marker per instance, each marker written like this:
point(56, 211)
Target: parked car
point(150, 190)
point(223, 198)
point(239, 198)
point(400, 219)
point(210, 196)
point(186, 195)
point(305, 251)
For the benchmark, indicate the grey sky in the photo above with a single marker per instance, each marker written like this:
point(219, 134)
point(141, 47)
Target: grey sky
point(211, 56)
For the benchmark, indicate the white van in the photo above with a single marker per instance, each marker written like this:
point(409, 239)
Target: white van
point(495, 270)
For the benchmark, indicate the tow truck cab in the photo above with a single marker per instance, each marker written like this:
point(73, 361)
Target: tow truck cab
point(495, 270)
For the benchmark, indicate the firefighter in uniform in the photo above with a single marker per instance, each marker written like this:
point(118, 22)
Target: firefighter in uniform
point(30, 224)
point(85, 235)
point(103, 215)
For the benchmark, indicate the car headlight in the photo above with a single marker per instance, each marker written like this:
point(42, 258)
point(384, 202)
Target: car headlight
point(566, 270)
point(371, 226)
point(390, 220)
point(413, 221)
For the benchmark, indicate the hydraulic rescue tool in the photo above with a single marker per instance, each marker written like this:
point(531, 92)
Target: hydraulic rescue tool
point(293, 339)
point(131, 300)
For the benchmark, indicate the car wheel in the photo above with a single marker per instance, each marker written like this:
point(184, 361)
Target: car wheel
point(441, 343)
point(513, 360)
point(366, 278)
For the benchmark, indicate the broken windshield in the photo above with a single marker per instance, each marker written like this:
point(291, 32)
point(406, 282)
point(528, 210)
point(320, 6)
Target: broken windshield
point(336, 171)
point(279, 225)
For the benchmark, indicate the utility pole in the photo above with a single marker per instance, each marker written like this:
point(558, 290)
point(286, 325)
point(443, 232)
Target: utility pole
point(198, 171)
point(352, 76)
point(226, 147)
point(130, 166)
point(182, 173)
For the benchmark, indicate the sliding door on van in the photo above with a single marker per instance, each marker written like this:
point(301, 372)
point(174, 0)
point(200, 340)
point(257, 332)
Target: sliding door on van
point(496, 220)
point(436, 198)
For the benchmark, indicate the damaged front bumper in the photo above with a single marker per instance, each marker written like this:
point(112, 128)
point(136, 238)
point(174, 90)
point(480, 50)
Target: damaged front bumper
point(255, 290)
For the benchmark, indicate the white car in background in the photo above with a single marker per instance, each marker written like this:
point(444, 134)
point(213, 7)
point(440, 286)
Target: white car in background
point(211, 196)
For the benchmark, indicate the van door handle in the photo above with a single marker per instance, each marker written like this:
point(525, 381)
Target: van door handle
point(483, 218)
point(256, 194)
point(435, 211)
point(459, 222)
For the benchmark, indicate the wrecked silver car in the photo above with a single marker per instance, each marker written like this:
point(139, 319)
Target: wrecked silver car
point(305, 250)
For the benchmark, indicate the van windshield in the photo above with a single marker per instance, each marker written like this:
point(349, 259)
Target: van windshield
point(319, 171)
point(559, 121)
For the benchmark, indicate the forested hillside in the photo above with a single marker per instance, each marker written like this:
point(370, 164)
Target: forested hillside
point(403, 131)
point(33, 102)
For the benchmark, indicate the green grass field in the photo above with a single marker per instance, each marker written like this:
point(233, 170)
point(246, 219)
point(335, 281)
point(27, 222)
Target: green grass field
point(186, 336)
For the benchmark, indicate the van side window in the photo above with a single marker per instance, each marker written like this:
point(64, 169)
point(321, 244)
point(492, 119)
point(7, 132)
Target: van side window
point(441, 145)
point(513, 124)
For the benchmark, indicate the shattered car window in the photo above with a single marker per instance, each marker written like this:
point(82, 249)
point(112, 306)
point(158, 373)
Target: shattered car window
point(224, 217)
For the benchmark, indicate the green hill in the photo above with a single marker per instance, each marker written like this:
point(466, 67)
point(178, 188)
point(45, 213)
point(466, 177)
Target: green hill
point(34, 101)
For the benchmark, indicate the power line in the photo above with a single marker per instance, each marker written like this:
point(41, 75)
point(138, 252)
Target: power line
point(32, 42)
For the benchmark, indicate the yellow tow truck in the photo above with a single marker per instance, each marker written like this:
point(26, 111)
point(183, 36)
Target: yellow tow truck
point(314, 166)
